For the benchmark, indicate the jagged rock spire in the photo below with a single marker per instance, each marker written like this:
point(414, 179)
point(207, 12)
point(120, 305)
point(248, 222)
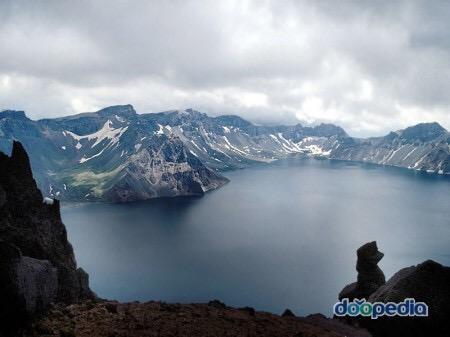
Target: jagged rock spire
point(20, 160)
point(37, 263)
point(370, 276)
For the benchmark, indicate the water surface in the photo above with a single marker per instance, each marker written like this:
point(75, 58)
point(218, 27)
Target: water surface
point(277, 236)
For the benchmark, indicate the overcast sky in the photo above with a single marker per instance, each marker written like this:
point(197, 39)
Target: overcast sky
point(368, 66)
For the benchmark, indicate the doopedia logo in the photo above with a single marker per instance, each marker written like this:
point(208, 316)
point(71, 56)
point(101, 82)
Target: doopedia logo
point(408, 308)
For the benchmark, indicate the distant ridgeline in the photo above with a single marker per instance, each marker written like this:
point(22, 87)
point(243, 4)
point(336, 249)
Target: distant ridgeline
point(116, 154)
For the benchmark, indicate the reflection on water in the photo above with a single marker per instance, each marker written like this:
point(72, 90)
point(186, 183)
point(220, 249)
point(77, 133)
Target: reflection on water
point(276, 236)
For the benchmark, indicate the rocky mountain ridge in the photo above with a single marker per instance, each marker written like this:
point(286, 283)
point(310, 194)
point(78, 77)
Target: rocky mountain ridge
point(109, 155)
point(118, 155)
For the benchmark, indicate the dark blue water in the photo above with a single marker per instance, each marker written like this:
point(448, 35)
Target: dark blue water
point(277, 236)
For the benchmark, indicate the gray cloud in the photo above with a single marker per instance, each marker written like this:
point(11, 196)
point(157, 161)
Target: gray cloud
point(369, 66)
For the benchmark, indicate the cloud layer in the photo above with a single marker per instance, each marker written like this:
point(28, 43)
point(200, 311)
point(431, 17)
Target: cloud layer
point(369, 66)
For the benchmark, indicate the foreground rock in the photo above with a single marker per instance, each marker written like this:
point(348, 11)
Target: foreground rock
point(428, 282)
point(190, 320)
point(370, 276)
point(37, 264)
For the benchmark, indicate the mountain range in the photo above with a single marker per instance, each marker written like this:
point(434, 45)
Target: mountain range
point(115, 154)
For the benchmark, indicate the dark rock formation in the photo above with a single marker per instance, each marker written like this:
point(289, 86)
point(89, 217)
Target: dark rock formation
point(251, 311)
point(37, 264)
point(217, 304)
point(428, 282)
point(288, 313)
point(34, 281)
point(370, 276)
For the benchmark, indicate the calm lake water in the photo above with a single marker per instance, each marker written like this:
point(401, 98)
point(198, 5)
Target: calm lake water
point(277, 236)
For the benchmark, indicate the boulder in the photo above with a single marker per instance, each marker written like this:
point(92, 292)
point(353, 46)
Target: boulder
point(38, 283)
point(428, 282)
point(27, 285)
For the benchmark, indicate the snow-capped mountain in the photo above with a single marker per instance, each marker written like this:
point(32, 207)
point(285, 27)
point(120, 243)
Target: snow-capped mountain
point(117, 154)
point(423, 147)
point(108, 155)
point(230, 142)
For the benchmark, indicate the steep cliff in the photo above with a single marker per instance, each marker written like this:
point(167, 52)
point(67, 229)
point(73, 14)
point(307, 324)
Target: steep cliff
point(37, 263)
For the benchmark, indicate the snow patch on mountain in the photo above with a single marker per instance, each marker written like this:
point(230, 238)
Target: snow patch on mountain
point(119, 119)
point(106, 132)
point(160, 130)
point(83, 160)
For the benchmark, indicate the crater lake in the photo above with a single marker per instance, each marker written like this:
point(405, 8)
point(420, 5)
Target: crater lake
point(276, 236)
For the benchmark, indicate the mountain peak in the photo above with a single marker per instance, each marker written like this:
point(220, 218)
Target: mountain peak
point(423, 132)
point(232, 120)
point(20, 158)
point(327, 130)
point(194, 112)
point(18, 175)
point(13, 114)
point(18, 151)
point(121, 110)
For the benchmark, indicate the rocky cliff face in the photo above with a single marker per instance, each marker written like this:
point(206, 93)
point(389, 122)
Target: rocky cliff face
point(37, 264)
point(161, 169)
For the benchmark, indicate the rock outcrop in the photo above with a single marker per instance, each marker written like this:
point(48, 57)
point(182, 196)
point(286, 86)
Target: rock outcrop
point(37, 263)
point(428, 282)
point(32, 283)
point(370, 276)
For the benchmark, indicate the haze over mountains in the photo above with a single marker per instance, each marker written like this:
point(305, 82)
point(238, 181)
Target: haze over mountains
point(116, 154)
